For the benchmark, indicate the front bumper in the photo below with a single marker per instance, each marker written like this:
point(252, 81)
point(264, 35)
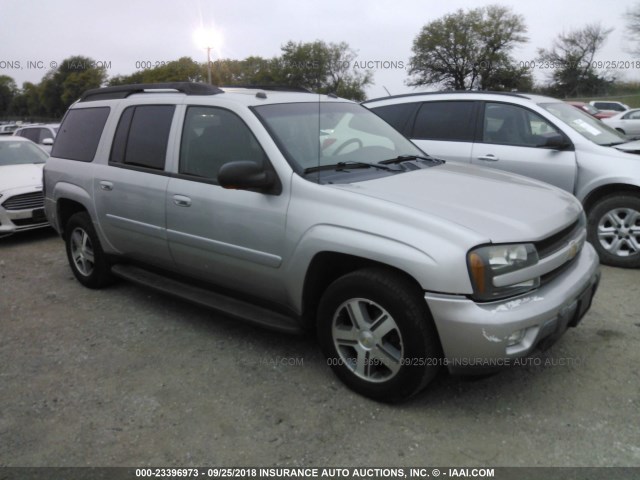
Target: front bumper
point(12, 221)
point(476, 336)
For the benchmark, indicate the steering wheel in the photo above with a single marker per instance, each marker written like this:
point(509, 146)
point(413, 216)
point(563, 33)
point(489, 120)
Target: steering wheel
point(347, 143)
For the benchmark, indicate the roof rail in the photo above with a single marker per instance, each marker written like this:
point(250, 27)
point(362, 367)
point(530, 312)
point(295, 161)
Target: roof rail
point(457, 92)
point(274, 88)
point(123, 91)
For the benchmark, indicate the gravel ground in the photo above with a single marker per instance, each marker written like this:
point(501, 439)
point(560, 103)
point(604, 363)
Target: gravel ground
point(128, 377)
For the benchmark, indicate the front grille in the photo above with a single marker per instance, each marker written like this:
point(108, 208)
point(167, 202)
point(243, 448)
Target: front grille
point(26, 201)
point(555, 242)
point(558, 240)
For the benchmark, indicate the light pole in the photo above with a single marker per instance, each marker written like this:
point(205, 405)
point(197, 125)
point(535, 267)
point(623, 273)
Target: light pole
point(206, 38)
point(209, 65)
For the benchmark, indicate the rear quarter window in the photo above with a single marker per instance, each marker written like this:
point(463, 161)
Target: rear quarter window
point(80, 134)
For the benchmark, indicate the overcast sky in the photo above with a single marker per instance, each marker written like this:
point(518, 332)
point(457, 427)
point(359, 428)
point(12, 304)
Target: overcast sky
point(122, 33)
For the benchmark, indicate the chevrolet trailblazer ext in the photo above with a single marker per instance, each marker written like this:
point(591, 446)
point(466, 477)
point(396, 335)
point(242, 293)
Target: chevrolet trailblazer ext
point(304, 211)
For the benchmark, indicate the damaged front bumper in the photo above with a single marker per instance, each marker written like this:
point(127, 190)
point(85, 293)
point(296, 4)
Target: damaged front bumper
point(483, 336)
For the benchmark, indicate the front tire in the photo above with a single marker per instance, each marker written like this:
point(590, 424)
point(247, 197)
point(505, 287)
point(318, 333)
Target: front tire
point(378, 335)
point(614, 230)
point(84, 252)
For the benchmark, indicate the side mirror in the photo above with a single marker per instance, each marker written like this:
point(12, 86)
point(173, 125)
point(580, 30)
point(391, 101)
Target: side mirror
point(554, 141)
point(246, 175)
point(47, 141)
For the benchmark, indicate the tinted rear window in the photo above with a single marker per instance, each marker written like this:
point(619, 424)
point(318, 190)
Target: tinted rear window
point(452, 121)
point(80, 133)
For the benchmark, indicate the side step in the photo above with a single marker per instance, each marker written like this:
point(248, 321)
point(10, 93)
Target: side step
point(207, 298)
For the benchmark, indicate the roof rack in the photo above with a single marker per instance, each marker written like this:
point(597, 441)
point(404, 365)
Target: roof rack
point(123, 91)
point(457, 92)
point(273, 88)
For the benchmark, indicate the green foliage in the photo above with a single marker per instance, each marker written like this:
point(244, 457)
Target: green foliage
point(571, 56)
point(8, 91)
point(466, 50)
point(318, 66)
point(184, 69)
point(633, 27)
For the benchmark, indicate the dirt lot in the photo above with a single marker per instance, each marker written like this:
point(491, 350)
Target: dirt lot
point(125, 376)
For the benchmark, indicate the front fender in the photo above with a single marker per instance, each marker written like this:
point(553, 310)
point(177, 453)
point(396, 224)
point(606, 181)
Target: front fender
point(433, 274)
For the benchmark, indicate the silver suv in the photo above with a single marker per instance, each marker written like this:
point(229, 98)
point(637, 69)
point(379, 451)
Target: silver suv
point(302, 211)
point(539, 137)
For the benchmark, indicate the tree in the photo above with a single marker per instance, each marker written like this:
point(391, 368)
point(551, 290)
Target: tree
point(466, 50)
point(251, 70)
point(633, 27)
point(27, 102)
point(184, 69)
point(62, 86)
point(570, 62)
point(323, 68)
point(8, 92)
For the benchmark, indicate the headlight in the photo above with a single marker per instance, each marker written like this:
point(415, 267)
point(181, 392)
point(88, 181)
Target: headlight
point(491, 261)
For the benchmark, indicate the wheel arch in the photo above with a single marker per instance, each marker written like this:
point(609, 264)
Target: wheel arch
point(603, 191)
point(328, 266)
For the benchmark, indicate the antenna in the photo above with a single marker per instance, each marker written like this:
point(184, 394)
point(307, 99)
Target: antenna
point(385, 89)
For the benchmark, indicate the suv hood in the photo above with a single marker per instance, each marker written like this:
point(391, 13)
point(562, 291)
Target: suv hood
point(498, 206)
point(17, 176)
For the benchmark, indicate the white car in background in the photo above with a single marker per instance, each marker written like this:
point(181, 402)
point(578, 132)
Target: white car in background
point(21, 198)
point(42, 134)
point(627, 122)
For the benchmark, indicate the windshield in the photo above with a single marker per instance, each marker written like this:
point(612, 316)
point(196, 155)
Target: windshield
point(586, 125)
point(313, 135)
point(16, 152)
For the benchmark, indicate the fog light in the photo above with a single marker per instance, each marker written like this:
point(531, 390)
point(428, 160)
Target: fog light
point(516, 337)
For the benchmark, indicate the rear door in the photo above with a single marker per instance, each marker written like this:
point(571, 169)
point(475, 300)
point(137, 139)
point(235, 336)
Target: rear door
point(130, 191)
point(510, 139)
point(445, 129)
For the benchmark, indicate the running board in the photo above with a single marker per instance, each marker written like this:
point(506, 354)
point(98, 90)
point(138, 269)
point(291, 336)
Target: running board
point(226, 305)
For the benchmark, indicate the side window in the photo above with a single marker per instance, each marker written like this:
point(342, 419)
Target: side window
point(43, 134)
point(513, 125)
point(212, 137)
point(398, 116)
point(635, 115)
point(142, 136)
point(80, 133)
point(30, 133)
point(450, 121)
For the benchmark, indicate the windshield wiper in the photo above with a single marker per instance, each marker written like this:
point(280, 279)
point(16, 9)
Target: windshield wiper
point(407, 158)
point(349, 164)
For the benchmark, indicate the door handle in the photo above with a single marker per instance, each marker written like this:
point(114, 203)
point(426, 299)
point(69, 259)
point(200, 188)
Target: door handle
point(488, 158)
point(106, 186)
point(182, 201)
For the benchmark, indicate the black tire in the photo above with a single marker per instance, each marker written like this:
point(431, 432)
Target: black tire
point(84, 252)
point(411, 351)
point(621, 131)
point(614, 230)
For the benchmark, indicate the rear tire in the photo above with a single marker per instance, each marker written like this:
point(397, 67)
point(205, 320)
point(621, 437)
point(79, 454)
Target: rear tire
point(84, 252)
point(378, 335)
point(614, 230)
